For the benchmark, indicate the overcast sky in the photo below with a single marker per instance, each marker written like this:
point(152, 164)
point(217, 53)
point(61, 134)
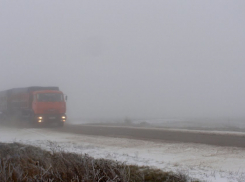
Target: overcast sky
point(141, 58)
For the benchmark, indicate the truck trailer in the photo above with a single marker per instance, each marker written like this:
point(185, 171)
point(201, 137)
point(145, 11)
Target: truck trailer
point(37, 105)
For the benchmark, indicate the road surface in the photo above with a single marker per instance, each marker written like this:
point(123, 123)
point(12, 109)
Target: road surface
point(232, 139)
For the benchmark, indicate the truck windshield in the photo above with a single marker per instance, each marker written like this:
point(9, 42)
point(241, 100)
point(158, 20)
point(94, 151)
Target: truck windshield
point(49, 97)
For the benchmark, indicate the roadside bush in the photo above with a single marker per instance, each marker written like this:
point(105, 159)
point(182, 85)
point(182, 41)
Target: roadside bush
point(24, 163)
point(128, 121)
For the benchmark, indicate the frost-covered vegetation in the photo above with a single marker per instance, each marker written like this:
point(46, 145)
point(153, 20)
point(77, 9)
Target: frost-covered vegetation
point(25, 163)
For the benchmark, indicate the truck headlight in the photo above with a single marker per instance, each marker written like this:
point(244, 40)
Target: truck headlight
point(40, 117)
point(63, 117)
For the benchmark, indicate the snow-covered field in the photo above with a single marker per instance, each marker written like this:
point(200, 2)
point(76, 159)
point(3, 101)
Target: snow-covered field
point(204, 162)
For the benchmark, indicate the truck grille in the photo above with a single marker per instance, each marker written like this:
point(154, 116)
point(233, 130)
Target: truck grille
point(50, 111)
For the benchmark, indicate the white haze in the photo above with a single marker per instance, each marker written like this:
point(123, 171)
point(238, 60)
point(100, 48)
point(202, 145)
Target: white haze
point(139, 59)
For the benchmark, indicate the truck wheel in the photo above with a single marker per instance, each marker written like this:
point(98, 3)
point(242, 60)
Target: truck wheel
point(60, 124)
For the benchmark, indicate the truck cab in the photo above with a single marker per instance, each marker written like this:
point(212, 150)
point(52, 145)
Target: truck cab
point(49, 106)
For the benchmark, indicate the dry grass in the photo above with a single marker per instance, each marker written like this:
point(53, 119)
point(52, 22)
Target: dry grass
point(27, 163)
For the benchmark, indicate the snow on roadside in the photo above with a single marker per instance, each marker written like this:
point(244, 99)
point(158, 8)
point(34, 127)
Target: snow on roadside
point(208, 163)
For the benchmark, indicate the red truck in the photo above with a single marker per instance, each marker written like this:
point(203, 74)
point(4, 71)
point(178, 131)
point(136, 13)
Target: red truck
point(38, 105)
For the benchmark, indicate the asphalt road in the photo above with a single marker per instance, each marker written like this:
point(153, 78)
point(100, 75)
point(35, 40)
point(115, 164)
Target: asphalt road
point(154, 134)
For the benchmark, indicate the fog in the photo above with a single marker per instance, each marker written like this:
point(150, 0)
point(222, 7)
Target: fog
point(136, 59)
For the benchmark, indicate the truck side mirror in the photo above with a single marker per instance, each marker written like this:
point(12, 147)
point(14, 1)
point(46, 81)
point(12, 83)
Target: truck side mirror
point(66, 97)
